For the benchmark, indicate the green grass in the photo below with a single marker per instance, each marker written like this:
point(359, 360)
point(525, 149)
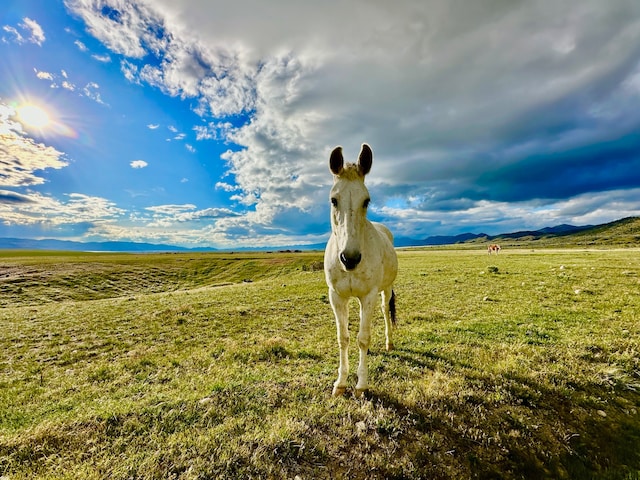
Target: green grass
point(524, 365)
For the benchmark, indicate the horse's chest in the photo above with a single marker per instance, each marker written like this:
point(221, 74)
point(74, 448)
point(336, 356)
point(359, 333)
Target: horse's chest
point(355, 284)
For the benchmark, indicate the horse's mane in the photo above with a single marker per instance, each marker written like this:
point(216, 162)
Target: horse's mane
point(351, 171)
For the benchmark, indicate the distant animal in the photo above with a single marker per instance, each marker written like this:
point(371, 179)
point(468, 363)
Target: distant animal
point(359, 261)
point(493, 248)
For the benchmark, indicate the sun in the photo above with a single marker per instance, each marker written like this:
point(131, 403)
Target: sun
point(38, 118)
point(33, 116)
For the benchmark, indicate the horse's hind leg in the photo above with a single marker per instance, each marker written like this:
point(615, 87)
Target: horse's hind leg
point(389, 313)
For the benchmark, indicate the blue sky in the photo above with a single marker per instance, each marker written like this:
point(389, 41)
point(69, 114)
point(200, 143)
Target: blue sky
point(200, 123)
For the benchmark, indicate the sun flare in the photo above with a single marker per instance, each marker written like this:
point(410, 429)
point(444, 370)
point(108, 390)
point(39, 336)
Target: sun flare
point(33, 116)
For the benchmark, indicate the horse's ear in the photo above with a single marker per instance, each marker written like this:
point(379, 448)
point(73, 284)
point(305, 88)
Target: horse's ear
point(336, 161)
point(365, 159)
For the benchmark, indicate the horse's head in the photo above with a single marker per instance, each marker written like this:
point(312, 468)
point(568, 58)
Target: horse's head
point(349, 202)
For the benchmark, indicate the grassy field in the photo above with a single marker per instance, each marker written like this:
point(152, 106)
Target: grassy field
point(185, 366)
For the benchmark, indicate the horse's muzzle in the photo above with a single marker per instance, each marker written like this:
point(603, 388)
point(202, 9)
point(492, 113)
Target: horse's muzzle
point(350, 261)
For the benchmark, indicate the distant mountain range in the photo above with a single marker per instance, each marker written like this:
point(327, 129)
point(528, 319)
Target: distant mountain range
point(52, 244)
point(559, 230)
point(625, 231)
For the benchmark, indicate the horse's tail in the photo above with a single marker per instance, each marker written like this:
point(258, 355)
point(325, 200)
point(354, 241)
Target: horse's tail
point(392, 307)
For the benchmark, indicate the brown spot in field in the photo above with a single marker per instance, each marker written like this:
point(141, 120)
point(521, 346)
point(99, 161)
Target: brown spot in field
point(277, 261)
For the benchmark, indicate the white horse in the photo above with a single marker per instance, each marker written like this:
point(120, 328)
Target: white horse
point(359, 261)
point(494, 247)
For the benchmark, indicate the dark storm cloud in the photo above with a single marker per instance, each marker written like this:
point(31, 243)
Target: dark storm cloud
point(592, 168)
point(8, 197)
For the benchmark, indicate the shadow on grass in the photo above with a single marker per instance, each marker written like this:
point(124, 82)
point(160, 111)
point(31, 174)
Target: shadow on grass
point(514, 426)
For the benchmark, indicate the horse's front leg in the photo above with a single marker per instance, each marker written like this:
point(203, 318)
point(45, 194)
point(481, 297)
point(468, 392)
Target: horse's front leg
point(340, 308)
point(367, 305)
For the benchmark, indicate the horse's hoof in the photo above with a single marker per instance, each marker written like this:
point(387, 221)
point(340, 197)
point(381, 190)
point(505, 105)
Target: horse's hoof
point(390, 347)
point(338, 391)
point(361, 391)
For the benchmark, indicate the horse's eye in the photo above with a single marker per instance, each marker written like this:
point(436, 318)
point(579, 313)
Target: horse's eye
point(334, 202)
point(365, 204)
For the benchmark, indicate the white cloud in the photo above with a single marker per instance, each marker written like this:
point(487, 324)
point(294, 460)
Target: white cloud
point(14, 33)
point(220, 227)
point(35, 30)
point(174, 217)
point(218, 131)
point(102, 58)
point(153, 126)
point(21, 157)
point(130, 71)
point(44, 75)
point(81, 46)
point(46, 211)
point(138, 164)
point(171, 209)
point(492, 217)
point(127, 29)
point(91, 90)
point(226, 187)
point(31, 29)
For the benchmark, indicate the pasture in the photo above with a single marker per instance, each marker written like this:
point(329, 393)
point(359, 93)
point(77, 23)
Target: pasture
point(185, 366)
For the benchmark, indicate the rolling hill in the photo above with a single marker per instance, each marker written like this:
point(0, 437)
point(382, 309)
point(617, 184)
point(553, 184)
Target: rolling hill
point(623, 232)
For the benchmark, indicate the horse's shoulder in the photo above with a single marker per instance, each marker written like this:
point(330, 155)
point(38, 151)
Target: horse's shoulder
point(383, 230)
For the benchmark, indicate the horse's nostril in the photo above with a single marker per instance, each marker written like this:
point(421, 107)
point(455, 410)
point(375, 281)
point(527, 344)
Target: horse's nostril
point(350, 261)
